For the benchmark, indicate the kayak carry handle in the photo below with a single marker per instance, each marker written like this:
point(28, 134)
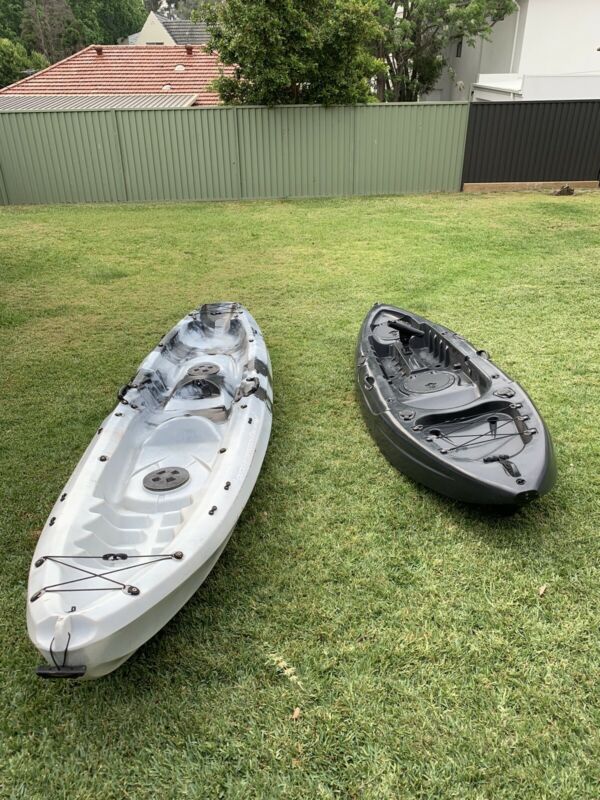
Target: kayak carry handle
point(122, 392)
point(405, 328)
point(46, 671)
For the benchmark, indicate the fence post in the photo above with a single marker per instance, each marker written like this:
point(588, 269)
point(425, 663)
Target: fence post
point(237, 110)
point(118, 145)
point(467, 142)
point(4, 201)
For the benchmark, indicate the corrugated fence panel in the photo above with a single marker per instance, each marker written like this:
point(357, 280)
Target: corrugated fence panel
point(56, 157)
point(183, 154)
point(296, 151)
point(409, 148)
point(533, 141)
point(230, 153)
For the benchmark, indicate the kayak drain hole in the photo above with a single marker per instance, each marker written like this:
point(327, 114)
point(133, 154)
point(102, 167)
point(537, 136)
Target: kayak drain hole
point(166, 479)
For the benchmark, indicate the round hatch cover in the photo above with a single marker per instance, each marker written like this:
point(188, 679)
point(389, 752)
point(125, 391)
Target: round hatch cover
point(165, 479)
point(202, 370)
point(384, 332)
point(426, 382)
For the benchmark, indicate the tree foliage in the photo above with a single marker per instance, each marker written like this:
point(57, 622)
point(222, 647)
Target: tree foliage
point(293, 51)
point(119, 18)
point(58, 28)
point(182, 8)
point(11, 13)
point(15, 61)
point(50, 27)
point(186, 8)
point(417, 32)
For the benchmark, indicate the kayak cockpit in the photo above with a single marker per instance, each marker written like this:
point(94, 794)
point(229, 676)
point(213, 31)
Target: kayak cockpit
point(419, 364)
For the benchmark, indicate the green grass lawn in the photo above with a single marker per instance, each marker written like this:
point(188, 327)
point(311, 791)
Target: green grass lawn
point(410, 631)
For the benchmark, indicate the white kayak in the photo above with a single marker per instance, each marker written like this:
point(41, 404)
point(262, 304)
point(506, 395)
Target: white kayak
point(155, 497)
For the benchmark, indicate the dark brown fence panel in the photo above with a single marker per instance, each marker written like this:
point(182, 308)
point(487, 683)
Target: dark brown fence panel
point(533, 141)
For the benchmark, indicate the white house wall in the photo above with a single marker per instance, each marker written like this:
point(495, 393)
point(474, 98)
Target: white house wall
point(565, 87)
point(544, 38)
point(484, 56)
point(497, 55)
point(466, 69)
point(154, 32)
point(561, 37)
point(522, 15)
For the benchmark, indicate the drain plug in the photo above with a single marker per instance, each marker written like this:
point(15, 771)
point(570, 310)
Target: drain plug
point(165, 479)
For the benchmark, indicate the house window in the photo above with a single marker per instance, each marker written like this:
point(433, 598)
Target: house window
point(459, 48)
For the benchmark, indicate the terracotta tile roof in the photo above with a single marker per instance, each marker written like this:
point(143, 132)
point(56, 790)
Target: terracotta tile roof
point(120, 69)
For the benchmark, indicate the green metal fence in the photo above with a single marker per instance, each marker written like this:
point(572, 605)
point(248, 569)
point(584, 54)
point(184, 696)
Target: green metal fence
point(230, 153)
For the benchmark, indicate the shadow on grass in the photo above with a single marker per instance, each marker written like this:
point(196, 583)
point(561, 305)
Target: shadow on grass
point(519, 527)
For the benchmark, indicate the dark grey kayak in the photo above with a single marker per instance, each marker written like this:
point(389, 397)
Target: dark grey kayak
point(444, 414)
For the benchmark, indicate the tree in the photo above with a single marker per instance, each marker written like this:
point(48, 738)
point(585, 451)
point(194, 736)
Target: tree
point(293, 51)
point(185, 8)
point(416, 34)
point(11, 12)
point(118, 18)
point(50, 28)
point(108, 21)
point(58, 28)
point(14, 61)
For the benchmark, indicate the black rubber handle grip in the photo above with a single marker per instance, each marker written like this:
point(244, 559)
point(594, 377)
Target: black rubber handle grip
point(404, 327)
